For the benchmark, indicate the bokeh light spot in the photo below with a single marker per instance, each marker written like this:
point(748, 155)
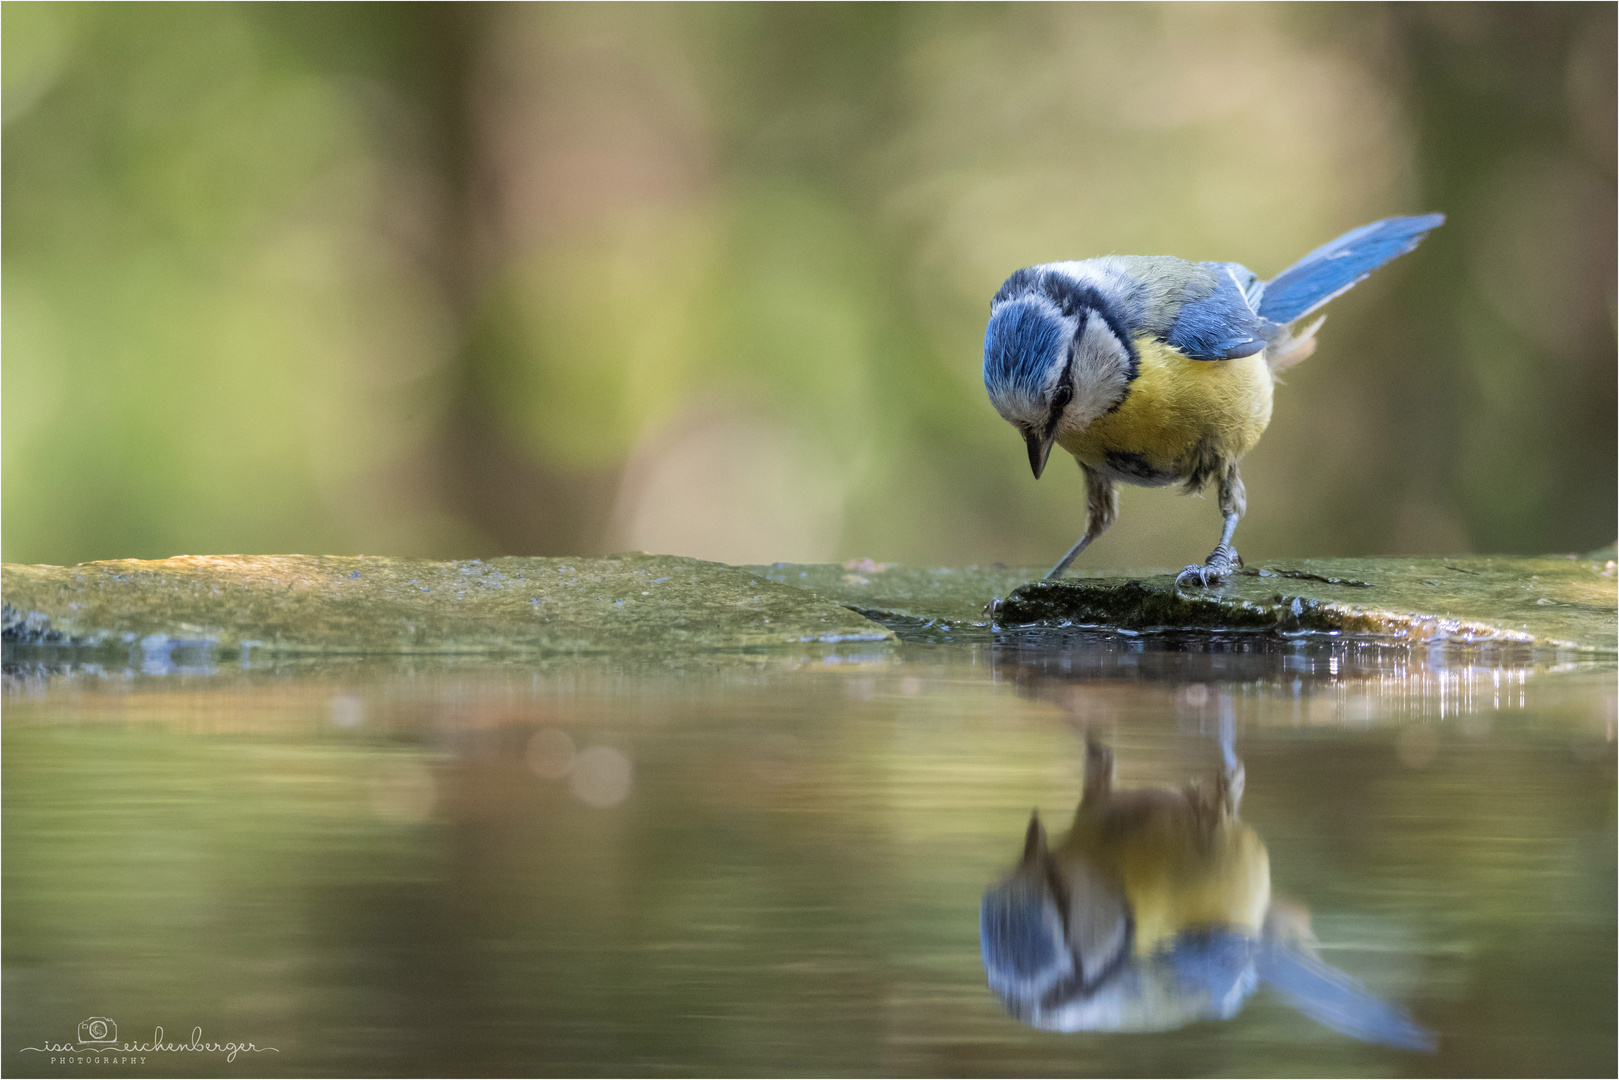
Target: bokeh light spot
point(602, 777)
point(347, 711)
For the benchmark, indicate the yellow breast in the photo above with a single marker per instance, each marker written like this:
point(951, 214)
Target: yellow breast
point(1177, 873)
point(1178, 412)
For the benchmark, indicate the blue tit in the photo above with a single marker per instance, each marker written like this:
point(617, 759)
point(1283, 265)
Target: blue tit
point(1153, 370)
point(1155, 911)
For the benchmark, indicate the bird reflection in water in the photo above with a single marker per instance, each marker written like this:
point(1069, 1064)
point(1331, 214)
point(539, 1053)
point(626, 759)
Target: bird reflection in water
point(1155, 911)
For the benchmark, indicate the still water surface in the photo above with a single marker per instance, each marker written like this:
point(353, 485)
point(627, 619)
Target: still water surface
point(773, 863)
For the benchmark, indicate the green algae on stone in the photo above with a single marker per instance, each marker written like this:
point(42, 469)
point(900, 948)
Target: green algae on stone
point(361, 604)
point(1562, 602)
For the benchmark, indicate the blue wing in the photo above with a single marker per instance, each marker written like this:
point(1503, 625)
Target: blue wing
point(1221, 325)
point(1332, 269)
point(1333, 999)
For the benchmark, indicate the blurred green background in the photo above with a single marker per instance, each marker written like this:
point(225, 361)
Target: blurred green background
point(712, 280)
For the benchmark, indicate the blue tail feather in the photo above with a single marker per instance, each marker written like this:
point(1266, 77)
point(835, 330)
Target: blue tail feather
point(1333, 268)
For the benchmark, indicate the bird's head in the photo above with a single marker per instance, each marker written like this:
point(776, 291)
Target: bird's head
point(1055, 928)
point(1055, 358)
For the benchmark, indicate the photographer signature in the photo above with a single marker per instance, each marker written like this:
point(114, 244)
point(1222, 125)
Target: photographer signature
point(98, 1036)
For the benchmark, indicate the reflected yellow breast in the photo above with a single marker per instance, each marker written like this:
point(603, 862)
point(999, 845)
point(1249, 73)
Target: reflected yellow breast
point(1177, 869)
point(1179, 411)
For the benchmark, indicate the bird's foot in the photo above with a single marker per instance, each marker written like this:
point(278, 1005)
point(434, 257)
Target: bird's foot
point(1229, 787)
point(1222, 560)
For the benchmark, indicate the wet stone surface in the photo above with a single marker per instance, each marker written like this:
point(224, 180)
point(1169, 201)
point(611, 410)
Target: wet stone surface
point(360, 604)
point(645, 603)
point(1565, 602)
point(946, 597)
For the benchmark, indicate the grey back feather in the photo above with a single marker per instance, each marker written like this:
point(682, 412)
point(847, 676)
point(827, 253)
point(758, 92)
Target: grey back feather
point(1201, 309)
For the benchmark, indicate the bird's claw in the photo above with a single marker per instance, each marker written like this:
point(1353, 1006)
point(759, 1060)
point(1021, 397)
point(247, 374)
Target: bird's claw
point(1221, 562)
point(1198, 575)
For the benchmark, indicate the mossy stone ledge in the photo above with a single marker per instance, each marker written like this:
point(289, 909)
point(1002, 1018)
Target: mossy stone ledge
point(1559, 602)
point(359, 604)
point(305, 604)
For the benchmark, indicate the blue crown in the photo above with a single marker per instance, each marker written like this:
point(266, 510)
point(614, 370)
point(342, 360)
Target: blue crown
point(1022, 341)
point(1013, 935)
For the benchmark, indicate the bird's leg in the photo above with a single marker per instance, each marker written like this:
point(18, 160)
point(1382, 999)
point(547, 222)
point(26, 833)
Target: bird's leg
point(1098, 771)
point(1233, 777)
point(1223, 559)
point(1101, 510)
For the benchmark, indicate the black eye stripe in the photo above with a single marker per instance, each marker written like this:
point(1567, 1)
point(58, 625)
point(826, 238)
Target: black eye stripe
point(1059, 894)
point(1059, 401)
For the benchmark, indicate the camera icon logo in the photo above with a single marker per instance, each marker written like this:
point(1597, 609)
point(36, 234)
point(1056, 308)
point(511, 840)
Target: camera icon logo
point(98, 1030)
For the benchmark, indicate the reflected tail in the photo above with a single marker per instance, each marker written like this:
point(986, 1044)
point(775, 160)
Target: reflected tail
point(1333, 999)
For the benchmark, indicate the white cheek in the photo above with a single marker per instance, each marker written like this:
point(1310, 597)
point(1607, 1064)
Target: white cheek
point(1091, 402)
point(1099, 374)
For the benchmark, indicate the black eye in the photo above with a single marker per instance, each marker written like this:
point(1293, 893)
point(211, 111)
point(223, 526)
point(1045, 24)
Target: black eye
point(1062, 397)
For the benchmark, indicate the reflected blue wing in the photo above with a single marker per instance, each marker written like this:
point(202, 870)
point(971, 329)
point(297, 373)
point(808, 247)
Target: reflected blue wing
point(1216, 962)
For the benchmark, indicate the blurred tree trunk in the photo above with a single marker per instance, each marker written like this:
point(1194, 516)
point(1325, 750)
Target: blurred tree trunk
point(428, 58)
point(515, 501)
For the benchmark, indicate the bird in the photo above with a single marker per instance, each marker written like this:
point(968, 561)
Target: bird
point(1155, 370)
point(1155, 911)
